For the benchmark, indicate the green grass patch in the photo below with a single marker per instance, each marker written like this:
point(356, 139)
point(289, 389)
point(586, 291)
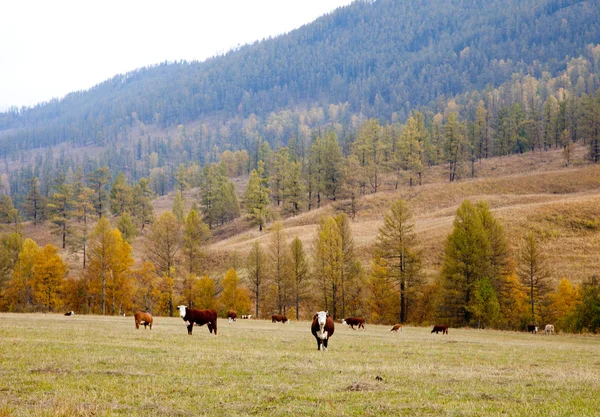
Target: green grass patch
point(52, 365)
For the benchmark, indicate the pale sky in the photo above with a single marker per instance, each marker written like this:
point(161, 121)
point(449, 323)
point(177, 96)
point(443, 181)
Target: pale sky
point(49, 48)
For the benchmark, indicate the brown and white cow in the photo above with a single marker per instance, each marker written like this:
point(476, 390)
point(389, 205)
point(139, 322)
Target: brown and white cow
point(354, 321)
point(231, 316)
point(440, 328)
point(70, 313)
point(199, 317)
point(142, 318)
point(322, 328)
point(246, 316)
point(532, 328)
point(279, 317)
point(396, 328)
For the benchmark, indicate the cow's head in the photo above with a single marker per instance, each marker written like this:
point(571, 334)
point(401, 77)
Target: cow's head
point(322, 317)
point(344, 321)
point(182, 310)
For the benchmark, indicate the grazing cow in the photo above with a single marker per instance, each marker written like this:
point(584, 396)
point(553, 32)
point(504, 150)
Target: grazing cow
point(532, 328)
point(279, 317)
point(70, 313)
point(440, 328)
point(142, 318)
point(200, 317)
point(549, 329)
point(354, 321)
point(396, 328)
point(231, 316)
point(322, 328)
point(246, 316)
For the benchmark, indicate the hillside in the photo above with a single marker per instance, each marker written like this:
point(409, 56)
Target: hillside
point(379, 58)
point(526, 192)
point(533, 191)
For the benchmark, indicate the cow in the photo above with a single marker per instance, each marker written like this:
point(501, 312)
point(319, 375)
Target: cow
point(70, 313)
point(246, 316)
point(231, 316)
point(200, 317)
point(396, 328)
point(440, 328)
point(549, 329)
point(354, 321)
point(142, 318)
point(322, 328)
point(532, 328)
point(279, 317)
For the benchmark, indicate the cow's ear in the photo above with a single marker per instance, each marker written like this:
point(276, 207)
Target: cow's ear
point(327, 313)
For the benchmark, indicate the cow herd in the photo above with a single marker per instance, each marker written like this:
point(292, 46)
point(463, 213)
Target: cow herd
point(322, 326)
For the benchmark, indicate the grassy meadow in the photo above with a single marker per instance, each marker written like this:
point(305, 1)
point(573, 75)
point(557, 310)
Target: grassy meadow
point(52, 365)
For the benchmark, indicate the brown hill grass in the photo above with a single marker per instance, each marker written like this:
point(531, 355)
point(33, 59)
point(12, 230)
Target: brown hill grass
point(533, 191)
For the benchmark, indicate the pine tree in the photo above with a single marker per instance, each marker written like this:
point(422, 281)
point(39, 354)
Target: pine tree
point(195, 235)
point(279, 264)
point(35, 204)
point(233, 297)
point(60, 208)
point(19, 294)
point(97, 181)
point(142, 202)
point(454, 145)
point(178, 206)
point(398, 254)
point(533, 272)
point(466, 262)
point(120, 195)
point(299, 271)
point(257, 197)
point(127, 227)
point(329, 264)
point(256, 265)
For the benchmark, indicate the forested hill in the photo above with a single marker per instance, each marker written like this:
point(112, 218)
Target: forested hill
point(379, 58)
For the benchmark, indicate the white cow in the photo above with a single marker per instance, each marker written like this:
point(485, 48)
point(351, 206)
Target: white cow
point(549, 329)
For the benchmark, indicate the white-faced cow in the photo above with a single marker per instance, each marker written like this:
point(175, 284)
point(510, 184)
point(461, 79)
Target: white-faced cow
point(396, 328)
point(142, 318)
point(70, 313)
point(322, 328)
point(354, 321)
point(246, 316)
point(231, 316)
point(199, 317)
point(549, 329)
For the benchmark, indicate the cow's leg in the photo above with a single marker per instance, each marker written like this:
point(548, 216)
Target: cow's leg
point(318, 343)
point(215, 327)
point(325, 342)
point(189, 327)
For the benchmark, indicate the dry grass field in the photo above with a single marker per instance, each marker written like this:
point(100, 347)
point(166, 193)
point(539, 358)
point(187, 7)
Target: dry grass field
point(52, 365)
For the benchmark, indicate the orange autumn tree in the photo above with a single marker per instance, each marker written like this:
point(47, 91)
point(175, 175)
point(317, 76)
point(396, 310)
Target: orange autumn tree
point(49, 273)
point(563, 301)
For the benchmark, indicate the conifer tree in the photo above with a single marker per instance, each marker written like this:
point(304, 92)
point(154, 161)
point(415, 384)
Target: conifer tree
point(329, 264)
point(533, 272)
point(49, 271)
point(35, 203)
point(142, 202)
point(257, 197)
point(120, 195)
point(195, 235)
point(256, 265)
point(299, 272)
point(178, 206)
point(97, 181)
point(279, 264)
point(398, 253)
point(60, 208)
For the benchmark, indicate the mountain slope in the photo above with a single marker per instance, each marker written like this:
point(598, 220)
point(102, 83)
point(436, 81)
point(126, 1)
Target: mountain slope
point(380, 57)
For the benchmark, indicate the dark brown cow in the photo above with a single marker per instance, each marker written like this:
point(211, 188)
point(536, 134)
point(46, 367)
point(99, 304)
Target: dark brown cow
point(70, 313)
point(396, 328)
point(231, 316)
point(354, 321)
point(142, 318)
point(322, 328)
point(532, 328)
point(200, 317)
point(440, 328)
point(279, 317)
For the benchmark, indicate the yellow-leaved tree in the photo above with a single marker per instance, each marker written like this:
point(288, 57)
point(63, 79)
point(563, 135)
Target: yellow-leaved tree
point(49, 273)
point(19, 294)
point(109, 270)
point(563, 301)
point(234, 297)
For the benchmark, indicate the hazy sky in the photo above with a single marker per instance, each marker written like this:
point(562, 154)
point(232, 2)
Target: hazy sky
point(49, 48)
